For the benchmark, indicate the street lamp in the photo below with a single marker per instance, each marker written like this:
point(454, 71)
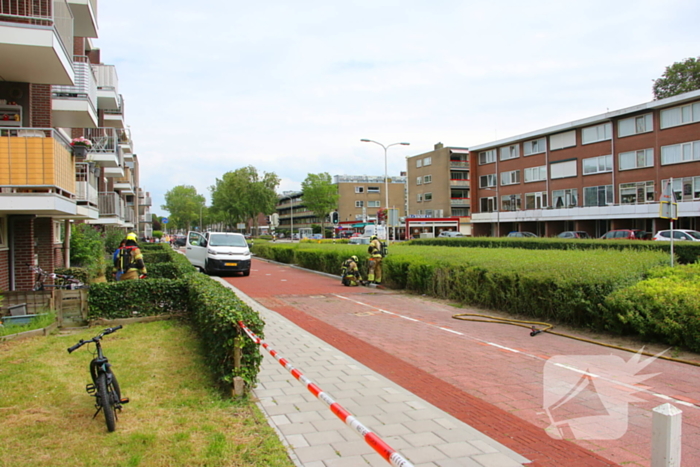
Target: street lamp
point(386, 177)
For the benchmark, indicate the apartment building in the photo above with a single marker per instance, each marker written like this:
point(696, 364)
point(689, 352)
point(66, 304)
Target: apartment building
point(361, 196)
point(55, 89)
point(293, 214)
point(595, 174)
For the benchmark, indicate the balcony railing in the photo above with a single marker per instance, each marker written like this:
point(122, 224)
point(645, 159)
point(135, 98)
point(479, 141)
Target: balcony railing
point(460, 164)
point(459, 201)
point(106, 76)
point(54, 13)
point(86, 183)
point(36, 159)
point(459, 182)
point(119, 110)
point(111, 205)
point(85, 84)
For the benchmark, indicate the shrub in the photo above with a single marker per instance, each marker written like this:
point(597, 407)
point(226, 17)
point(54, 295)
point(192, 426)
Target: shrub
point(87, 249)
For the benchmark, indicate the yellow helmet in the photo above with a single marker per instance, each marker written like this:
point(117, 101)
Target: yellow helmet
point(373, 237)
point(354, 258)
point(131, 236)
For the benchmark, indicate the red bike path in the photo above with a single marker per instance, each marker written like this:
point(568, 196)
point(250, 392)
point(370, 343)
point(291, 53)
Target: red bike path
point(489, 376)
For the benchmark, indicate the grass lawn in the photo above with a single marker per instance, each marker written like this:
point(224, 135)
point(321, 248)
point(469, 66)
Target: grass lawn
point(176, 417)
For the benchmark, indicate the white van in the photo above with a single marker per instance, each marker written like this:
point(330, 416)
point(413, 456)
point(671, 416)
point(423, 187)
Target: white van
point(214, 252)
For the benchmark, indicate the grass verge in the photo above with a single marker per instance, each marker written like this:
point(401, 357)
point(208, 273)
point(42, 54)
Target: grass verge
point(176, 415)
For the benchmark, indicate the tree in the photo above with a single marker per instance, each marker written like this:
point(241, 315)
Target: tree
point(678, 78)
point(156, 222)
point(320, 195)
point(243, 194)
point(184, 205)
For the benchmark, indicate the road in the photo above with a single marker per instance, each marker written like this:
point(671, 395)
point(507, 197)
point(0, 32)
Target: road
point(496, 378)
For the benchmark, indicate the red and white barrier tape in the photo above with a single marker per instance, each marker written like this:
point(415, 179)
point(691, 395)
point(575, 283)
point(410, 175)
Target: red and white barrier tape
point(383, 449)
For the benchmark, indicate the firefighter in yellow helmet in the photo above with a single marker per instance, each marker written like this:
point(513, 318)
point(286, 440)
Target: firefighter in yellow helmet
point(129, 260)
point(375, 260)
point(351, 272)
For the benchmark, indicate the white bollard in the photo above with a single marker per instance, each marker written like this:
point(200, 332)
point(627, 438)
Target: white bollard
point(666, 436)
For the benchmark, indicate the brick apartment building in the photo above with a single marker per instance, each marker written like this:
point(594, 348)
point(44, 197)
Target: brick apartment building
point(54, 88)
point(595, 174)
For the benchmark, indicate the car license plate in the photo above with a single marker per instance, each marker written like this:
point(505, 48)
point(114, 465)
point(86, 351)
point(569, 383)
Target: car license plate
point(231, 264)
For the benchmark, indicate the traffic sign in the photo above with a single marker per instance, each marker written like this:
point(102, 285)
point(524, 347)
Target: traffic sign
point(164, 220)
point(668, 208)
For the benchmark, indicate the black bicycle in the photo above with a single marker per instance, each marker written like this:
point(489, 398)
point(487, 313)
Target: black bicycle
point(62, 281)
point(104, 387)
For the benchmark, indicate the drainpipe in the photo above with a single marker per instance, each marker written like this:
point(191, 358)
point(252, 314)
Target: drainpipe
point(66, 243)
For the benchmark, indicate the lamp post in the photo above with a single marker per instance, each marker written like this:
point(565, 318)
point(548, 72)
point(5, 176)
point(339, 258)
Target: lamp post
point(201, 227)
point(386, 178)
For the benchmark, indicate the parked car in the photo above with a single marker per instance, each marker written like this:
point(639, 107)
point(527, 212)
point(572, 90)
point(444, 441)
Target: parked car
point(359, 241)
point(214, 252)
point(522, 234)
point(180, 240)
point(450, 233)
point(627, 234)
point(574, 234)
point(680, 234)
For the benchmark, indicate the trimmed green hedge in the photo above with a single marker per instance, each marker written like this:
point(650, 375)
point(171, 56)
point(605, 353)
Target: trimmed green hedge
point(685, 252)
point(174, 286)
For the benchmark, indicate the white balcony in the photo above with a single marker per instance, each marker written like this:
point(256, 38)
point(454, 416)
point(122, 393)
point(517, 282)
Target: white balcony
point(114, 172)
point(76, 106)
point(36, 42)
point(85, 15)
point(105, 150)
point(107, 86)
point(126, 144)
point(114, 118)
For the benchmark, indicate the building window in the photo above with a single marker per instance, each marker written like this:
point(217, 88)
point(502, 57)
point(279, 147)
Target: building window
point(510, 178)
point(3, 233)
point(596, 165)
point(562, 169)
point(359, 204)
point(535, 174)
point(680, 115)
point(635, 125)
point(428, 197)
point(419, 180)
point(374, 204)
point(419, 163)
point(428, 179)
point(536, 146)
point(537, 200)
point(359, 189)
point(636, 159)
point(637, 193)
point(684, 152)
point(487, 204)
point(510, 203)
point(487, 157)
point(685, 189)
point(598, 195)
point(372, 189)
point(565, 198)
point(562, 140)
point(460, 212)
point(58, 232)
point(486, 181)
point(510, 152)
point(419, 197)
point(427, 161)
point(593, 134)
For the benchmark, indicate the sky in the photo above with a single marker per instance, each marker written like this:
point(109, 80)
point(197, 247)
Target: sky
point(211, 86)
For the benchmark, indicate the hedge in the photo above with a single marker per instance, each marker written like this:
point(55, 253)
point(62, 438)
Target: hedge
point(174, 286)
point(685, 252)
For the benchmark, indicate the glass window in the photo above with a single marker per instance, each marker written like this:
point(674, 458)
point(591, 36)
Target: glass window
point(562, 140)
point(593, 134)
point(536, 200)
point(598, 195)
point(680, 115)
point(427, 161)
point(372, 189)
point(683, 152)
point(535, 174)
point(359, 189)
point(487, 157)
point(600, 164)
point(510, 178)
point(486, 181)
point(419, 163)
point(563, 169)
point(510, 152)
point(359, 204)
point(419, 197)
point(419, 180)
point(637, 193)
point(635, 125)
point(636, 159)
point(487, 204)
point(427, 179)
point(510, 202)
point(565, 198)
point(428, 197)
point(536, 146)
point(374, 204)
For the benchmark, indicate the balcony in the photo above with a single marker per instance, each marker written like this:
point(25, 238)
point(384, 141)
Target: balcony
point(146, 218)
point(76, 106)
point(105, 150)
point(145, 201)
point(125, 184)
point(85, 17)
point(126, 144)
point(462, 183)
point(459, 201)
point(107, 86)
point(114, 118)
point(459, 164)
point(37, 172)
point(112, 209)
point(87, 195)
point(36, 42)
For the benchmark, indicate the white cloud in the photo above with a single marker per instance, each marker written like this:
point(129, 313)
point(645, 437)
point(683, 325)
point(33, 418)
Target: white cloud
point(291, 87)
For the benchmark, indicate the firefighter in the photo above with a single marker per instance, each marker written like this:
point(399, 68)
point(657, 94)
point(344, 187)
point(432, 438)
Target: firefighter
point(351, 272)
point(375, 260)
point(129, 260)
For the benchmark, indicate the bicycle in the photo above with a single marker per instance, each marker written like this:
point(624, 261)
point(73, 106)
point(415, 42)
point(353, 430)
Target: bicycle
point(105, 387)
point(63, 281)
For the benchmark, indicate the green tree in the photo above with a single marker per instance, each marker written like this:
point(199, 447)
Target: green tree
point(155, 218)
point(320, 195)
point(184, 205)
point(678, 78)
point(243, 194)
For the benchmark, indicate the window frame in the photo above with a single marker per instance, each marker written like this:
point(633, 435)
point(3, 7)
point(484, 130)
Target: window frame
point(374, 189)
point(566, 192)
point(509, 152)
point(427, 161)
point(648, 124)
point(647, 151)
point(374, 203)
point(537, 142)
point(359, 203)
point(488, 177)
point(488, 157)
point(427, 179)
point(359, 189)
point(542, 174)
point(605, 159)
point(694, 152)
point(512, 175)
point(694, 116)
point(647, 186)
point(607, 189)
point(428, 196)
point(606, 133)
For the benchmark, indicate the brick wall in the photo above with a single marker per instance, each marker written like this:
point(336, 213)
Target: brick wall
point(23, 235)
point(40, 106)
point(43, 232)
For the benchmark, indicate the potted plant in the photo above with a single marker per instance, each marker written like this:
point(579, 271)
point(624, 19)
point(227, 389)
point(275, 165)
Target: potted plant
point(80, 146)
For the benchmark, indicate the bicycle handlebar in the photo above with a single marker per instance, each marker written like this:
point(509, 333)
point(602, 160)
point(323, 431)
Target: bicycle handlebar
point(94, 339)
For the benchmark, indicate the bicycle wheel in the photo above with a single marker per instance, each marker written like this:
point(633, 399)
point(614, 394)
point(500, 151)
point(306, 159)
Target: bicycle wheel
point(103, 393)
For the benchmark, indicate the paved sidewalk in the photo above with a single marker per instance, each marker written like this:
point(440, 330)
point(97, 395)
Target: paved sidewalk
point(420, 432)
